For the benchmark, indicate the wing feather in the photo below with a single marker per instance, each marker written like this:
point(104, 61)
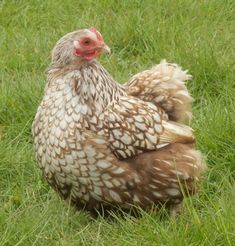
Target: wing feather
point(133, 126)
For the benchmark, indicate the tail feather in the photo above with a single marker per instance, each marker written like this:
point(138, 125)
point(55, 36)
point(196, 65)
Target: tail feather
point(164, 85)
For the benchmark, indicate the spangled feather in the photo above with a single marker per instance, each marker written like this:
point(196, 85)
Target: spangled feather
point(164, 85)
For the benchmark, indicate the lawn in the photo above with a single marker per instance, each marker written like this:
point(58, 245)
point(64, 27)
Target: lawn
point(196, 34)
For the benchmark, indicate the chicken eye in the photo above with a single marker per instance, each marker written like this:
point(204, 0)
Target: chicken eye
point(86, 42)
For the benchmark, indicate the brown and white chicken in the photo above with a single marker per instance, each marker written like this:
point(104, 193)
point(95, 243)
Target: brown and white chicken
point(100, 144)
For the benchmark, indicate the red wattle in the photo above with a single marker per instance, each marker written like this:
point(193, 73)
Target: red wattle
point(88, 55)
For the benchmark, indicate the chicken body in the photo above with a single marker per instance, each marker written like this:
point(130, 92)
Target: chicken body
point(99, 145)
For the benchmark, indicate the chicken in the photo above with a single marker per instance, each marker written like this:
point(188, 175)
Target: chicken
point(103, 145)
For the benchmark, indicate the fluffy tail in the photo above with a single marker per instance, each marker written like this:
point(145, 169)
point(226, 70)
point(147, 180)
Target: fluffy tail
point(164, 85)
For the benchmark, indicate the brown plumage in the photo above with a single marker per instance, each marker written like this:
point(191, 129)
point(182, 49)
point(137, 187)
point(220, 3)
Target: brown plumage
point(101, 144)
point(164, 86)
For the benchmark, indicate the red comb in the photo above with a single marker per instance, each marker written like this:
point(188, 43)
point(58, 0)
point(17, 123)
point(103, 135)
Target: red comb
point(98, 35)
point(93, 29)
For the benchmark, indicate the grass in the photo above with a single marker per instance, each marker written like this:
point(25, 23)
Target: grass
point(196, 34)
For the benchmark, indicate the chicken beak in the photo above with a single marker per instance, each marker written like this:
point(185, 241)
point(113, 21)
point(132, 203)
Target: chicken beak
point(106, 49)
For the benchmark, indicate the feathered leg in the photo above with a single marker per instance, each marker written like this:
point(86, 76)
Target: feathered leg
point(175, 210)
point(170, 173)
